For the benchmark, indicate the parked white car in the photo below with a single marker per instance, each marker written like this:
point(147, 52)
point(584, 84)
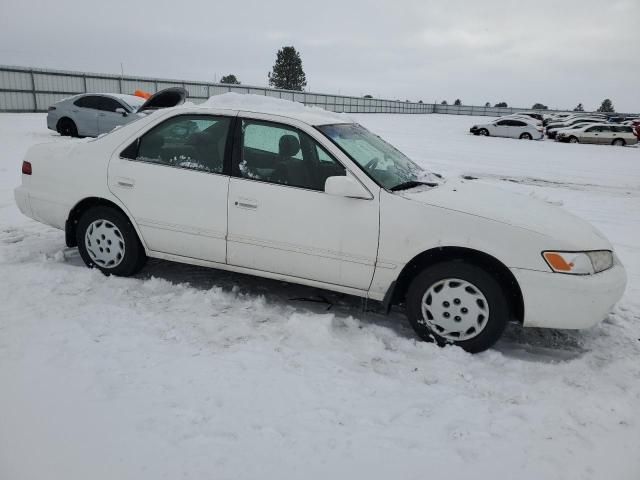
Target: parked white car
point(92, 114)
point(305, 196)
point(509, 127)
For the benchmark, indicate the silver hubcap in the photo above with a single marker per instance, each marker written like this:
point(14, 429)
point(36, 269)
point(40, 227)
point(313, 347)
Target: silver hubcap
point(104, 243)
point(455, 309)
point(573, 140)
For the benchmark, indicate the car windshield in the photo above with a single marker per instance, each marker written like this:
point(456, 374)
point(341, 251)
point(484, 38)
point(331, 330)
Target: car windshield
point(132, 101)
point(385, 164)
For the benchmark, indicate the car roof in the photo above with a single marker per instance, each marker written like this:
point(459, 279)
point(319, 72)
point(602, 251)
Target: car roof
point(271, 106)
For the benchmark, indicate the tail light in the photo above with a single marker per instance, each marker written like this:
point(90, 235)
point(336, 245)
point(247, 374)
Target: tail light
point(26, 168)
point(52, 108)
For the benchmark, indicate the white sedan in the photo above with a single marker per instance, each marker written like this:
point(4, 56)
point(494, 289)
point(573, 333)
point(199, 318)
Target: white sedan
point(305, 196)
point(509, 127)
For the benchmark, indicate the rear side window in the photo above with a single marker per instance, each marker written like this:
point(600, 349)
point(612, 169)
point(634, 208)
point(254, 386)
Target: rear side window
point(622, 129)
point(88, 101)
point(519, 124)
point(195, 142)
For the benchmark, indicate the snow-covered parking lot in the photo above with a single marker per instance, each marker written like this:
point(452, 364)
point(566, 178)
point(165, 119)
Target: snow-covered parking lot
point(185, 372)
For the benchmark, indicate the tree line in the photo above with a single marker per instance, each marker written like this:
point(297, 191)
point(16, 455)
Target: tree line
point(287, 74)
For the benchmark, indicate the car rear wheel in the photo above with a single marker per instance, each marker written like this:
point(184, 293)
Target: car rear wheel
point(619, 142)
point(573, 139)
point(107, 241)
point(526, 136)
point(457, 302)
point(67, 127)
point(484, 132)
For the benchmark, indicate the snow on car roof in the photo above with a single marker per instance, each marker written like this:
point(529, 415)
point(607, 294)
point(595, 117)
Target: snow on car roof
point(275, 106)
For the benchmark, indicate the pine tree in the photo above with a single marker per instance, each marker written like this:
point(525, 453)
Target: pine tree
point(230, 79)
point(579, 108)
point(487, 104)
point(539, 106)
point(457, 102)
point(368, 96)
point(287, 72)
point(444, 102)
point(501, 104)
point(606, 107)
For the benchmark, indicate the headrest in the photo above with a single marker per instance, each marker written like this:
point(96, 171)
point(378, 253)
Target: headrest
point(289, 146)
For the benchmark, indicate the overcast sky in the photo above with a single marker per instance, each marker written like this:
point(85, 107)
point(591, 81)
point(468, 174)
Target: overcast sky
point(550, 51)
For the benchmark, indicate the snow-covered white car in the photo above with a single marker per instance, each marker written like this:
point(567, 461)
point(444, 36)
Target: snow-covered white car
point(509, 127)
point(92, 114)
point(302, 195)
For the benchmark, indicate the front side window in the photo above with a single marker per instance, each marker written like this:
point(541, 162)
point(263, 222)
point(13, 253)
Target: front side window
point(196, 142)
point(108, 104)
point(385, 164)
point(277, 153)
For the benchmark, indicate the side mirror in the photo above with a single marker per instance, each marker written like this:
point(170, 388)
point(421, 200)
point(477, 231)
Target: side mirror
point(122, 111)
point(344, 186)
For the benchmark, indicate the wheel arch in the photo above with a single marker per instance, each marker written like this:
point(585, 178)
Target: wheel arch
point(398, 289)
point(85, 204)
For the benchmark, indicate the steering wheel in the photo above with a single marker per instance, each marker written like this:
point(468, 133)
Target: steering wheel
point(372, 164)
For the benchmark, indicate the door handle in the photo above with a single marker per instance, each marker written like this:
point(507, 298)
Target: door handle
point(125, 182)
point(246, 203)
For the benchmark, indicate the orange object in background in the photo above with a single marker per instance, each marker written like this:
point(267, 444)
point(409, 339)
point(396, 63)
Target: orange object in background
point(140, 93)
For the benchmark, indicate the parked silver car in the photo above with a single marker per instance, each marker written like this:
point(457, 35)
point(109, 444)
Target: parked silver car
point(601, 133)
point(92, 114)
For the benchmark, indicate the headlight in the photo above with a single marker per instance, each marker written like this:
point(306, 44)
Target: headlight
point(579, 263)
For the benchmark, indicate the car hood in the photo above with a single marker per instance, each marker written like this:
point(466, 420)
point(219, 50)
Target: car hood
point(167, 98)
point(522, 211)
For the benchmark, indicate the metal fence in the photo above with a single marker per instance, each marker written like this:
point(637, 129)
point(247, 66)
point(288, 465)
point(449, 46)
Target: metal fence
point(35, 89)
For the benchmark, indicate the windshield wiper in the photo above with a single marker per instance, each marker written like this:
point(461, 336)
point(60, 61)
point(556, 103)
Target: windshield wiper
point(412, 184)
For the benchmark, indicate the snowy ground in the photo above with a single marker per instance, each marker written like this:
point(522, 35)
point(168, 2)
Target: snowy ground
point(191, 373)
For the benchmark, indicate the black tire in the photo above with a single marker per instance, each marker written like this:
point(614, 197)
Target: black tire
point(134, 257)
point(526, 136)
point(498, 305)
point(619, 142)
point(483, 132)
point(573, 139)
point(67, 127)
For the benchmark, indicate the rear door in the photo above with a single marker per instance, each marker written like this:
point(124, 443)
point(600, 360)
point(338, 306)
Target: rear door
point(518, 127)
point(173, 181)
point(85, 115)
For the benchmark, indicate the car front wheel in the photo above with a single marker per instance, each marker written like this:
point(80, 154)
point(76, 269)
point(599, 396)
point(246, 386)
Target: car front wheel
point(457, 302)
point(573, 140)
point(107, 241)
point(484, 132)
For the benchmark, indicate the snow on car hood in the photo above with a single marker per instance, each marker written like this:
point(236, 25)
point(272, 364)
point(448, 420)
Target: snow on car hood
point(522, 211)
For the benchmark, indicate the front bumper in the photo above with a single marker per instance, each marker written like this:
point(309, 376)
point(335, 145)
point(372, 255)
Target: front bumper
point(556, 300)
